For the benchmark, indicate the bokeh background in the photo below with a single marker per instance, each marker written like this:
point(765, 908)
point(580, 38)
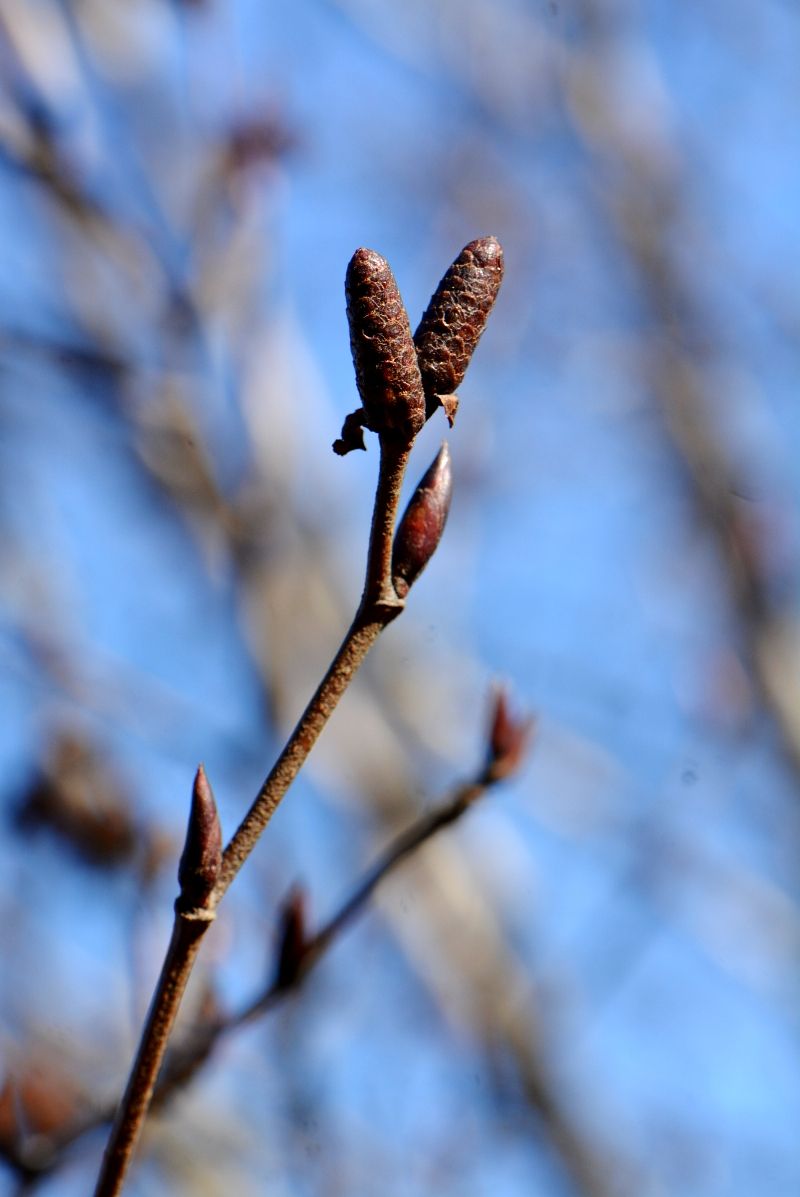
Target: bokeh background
point(589, 986)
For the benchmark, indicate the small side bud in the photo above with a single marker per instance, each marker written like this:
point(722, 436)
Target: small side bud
point(420, 530)
point(292, 938)
point(387, 371)
point(201, 861)
point(454, 320)
point(507, 740)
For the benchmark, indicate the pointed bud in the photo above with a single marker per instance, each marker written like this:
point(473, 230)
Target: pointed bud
point(507, 740)
point(291, 938)
point(420, 530)
point(201, 861)
point(387, 372)
point(454, 320)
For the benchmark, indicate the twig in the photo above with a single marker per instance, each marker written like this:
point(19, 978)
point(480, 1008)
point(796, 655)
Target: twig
point(195, 910)
point(379, 606)
point(388, 374)
point(508, 741)
point(181, 953)
point(373, 616)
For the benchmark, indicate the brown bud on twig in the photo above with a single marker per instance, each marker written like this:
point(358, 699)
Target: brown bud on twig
point(387, 372)
point(292, 938)
point(507, 741)
point(454, 320)
point(420, 530)
point(201, 861)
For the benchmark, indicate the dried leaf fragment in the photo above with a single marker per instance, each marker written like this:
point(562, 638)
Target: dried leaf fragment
point(352, 436)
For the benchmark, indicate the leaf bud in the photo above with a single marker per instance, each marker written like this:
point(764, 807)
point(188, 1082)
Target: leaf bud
point(201, 861)
point(387, 371)
point(420, 530)
point(507, 739)
point(454, 321)
point(292, 939)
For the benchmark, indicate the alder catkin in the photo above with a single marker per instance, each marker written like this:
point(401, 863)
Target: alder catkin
point(455, 318)
point(385, 360)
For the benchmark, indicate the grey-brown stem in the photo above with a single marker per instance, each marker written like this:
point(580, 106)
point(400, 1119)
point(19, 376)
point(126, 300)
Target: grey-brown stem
point(187, 933)
point(379, 606)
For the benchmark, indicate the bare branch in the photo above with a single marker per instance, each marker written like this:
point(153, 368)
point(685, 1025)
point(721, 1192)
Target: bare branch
point(388, 379)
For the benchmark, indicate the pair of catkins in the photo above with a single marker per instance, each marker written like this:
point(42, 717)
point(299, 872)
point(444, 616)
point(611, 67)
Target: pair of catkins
point(402, 380)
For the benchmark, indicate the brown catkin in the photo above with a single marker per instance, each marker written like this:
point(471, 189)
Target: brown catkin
point(456, 316)
point(387, 371)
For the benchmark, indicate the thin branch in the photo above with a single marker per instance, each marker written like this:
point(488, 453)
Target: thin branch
point(390, 384)
point(378, 589)
point(183, 948)
point(182, 1066)
point(195, 910)
point(507, 743)
point(355, 646)
point(379, 606)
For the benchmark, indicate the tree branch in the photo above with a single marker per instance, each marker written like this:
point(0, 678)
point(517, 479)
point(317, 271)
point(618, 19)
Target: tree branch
point(389, 380)
point(379, 606)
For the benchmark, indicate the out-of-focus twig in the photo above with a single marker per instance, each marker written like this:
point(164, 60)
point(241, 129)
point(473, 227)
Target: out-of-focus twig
point(298, 952)
point(645, 207)
point(370, 621)
point(495, 984)
point(507, 742)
